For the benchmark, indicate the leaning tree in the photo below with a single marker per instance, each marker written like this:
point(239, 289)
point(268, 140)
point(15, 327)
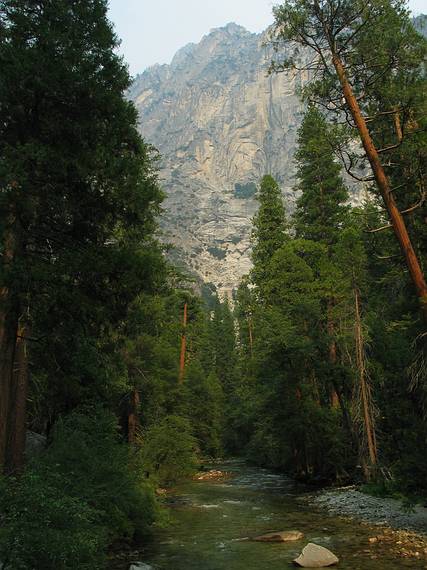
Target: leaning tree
point(365, 61)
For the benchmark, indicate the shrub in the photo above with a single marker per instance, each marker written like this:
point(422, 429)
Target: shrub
point(169, 450)
point(99, 468)
point(85, 491)
point(44, 528)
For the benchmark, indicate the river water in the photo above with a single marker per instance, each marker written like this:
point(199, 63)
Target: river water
point(211, 521)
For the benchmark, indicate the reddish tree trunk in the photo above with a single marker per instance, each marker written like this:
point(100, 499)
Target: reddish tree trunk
point(183, 347)
point(383, 184)
point(9, 314)
point(133, 416)
point(251, 340)
point(364, 388)
point(17, 428)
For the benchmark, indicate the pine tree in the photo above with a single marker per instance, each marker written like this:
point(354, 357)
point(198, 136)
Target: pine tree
point(320, 216)
point(350, 254)
point(321, 207)
point(78, 203)
point(347, 81)
point(223, 342)
point(269, 229)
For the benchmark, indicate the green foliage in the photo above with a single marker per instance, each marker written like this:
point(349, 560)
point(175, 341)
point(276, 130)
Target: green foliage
point(320, 207)
point(44, 527)
point(269, 229)
point(223, 343)
point(83, 184)
point(88, 451)
point(294, 310)
point(385, 488)
point(206, 400)
point(85, 491)
point(169, 450)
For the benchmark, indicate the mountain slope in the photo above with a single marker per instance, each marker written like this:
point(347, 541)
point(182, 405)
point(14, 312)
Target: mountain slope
point(220, 123)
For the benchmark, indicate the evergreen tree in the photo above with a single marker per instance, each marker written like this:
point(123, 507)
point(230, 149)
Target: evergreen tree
point(269, 229)
point(78, 205)
point(321, 208)
point(223, 342)
point(320, 216)
point(347, 81)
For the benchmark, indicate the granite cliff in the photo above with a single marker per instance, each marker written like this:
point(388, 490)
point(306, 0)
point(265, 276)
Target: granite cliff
point(220, 123)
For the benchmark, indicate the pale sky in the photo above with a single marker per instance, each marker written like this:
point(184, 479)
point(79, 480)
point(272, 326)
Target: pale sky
point(153, 30)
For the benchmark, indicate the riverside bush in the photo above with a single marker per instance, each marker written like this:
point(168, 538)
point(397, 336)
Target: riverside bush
point(101, 470)
point(44, 528)
point(87, 490)
point(169, 450)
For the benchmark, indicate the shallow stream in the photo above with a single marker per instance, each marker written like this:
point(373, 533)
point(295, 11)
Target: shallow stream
point(212, 520)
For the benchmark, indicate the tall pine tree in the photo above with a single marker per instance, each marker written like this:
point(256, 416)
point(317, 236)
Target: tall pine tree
point(78, 202)
point(269, 229)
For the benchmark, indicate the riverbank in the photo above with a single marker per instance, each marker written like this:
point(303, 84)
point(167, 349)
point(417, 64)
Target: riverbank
point(405, 531)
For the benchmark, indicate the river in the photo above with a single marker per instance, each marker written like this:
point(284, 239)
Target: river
point(211, 520)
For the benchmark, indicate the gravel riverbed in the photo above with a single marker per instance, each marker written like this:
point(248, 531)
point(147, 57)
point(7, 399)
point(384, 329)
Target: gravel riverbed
point(382, 511)
point(403, 531)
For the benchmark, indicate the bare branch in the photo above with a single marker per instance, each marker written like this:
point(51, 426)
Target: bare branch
point(349, 168)
point(390, 147)
point(417, 205)
point(382, 113)
point(397, 187)
point(382, 228)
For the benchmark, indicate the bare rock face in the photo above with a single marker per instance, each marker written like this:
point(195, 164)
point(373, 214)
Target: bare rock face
point(315, 556)
point(283, 536)
point(220, 123)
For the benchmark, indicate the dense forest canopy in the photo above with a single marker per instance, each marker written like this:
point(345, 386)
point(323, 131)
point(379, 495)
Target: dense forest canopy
point(317, 366)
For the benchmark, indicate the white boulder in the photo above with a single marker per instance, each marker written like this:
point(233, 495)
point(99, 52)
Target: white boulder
point(315, 556)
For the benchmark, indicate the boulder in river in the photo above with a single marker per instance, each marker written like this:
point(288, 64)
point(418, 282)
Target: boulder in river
point(315, 556)
point(282, 536)
point(140, 566)
point(211, 474)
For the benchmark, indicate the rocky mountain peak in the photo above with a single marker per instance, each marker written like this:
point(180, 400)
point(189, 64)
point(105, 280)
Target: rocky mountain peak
point(220, 123)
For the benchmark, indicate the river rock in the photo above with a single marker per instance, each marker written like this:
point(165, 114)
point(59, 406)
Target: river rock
point(211, 474)
point(283, 536)
point(35, 444)
point(140, 566)
point(315, 556)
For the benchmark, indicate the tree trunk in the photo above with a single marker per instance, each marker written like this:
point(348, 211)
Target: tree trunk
point(183, 347)
point(332, 354)
point(133, 416)
point(337, 398)
point(395, 216)
point(364, 388)
point(9, 313)
point(7, 351)
point(17, 421)
point(251, 340)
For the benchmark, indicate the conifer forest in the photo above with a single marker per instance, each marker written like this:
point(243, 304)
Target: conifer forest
point(126, 383)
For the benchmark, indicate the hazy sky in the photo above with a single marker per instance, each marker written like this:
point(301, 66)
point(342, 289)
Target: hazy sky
point(153, 30)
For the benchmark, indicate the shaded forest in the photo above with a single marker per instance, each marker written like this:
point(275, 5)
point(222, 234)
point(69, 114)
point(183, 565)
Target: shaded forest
point(116, 376)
